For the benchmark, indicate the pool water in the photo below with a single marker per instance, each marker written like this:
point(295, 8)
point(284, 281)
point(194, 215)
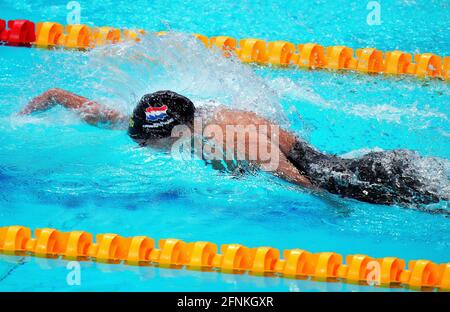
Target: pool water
point(56, 171)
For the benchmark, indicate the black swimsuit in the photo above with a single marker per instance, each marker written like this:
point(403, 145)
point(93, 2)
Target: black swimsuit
point(378, 177)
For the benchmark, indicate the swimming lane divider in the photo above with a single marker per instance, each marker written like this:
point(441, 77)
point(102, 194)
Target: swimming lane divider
point(250, 50)
point(229, 258)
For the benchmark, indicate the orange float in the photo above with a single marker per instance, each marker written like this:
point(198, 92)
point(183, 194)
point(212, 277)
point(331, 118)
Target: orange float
point(446, 68)
point(48, 242)
point(391, 270)
point(133, 35)
point(172, 252)
point(139, 249)
point(326, 264)
point(201, 254)
point(397, 62)
point(203, 39)
point(14, 238)
point(264, 259)
point(444, 276)
point(109, 247)
point(105, 35)
point(423, 273)
point(428, 65)
point(339, 57)
point(252, 51)
point(280, 52)
point(311, 55)
point(78, 37)
point(233, 257)
point(357, 267)
point(369, 60)
point(48, 34)
point(226, 44)
point(296, 262)
point(77, 244)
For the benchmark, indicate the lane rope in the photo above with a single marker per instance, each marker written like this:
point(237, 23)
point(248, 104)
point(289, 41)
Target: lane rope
point(230, 258)
point(250, 50)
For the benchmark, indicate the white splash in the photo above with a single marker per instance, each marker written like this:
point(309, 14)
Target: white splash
point(178, 62)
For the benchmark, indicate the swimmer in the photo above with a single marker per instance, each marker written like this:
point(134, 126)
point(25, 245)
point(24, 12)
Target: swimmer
point(386, 177)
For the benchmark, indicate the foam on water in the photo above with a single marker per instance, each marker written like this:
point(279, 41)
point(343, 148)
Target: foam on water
point(119, 75)
point(414, 115)
point(179, 62)
point(433, 173)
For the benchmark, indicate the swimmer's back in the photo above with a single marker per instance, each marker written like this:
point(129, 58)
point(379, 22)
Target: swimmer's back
point(386, 177)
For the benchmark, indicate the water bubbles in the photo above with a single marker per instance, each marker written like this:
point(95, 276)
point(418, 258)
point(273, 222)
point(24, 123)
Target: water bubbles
point(178, 62)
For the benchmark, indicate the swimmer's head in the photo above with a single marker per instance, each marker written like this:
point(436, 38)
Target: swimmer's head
point(157, 114)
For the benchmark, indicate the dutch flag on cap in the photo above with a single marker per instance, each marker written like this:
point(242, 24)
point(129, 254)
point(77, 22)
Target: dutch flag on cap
point(156, 113)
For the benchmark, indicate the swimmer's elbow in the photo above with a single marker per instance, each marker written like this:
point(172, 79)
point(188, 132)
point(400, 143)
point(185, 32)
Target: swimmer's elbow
point(54, 91)
point(303, 181)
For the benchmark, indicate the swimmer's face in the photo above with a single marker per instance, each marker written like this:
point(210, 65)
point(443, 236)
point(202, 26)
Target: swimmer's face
point(156, 115)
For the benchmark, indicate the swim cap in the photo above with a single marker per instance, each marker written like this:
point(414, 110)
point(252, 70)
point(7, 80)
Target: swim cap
point(157, 113)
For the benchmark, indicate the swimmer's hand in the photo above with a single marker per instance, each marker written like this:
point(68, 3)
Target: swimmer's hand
point(42, 102)
point(90, 111)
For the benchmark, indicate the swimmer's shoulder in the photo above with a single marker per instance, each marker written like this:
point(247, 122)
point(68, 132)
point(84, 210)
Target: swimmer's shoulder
point(208, 110)
point(122, 122)
point(214, 111)
point(235, 116)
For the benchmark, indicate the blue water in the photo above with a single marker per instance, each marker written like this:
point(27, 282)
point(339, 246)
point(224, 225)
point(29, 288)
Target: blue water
point(56, 171)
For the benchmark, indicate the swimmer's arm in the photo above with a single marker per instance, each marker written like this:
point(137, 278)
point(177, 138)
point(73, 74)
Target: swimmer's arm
point(230, 116)
point(281, 167)
point(90, 111)
point(277, 163)
point(287, 171)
